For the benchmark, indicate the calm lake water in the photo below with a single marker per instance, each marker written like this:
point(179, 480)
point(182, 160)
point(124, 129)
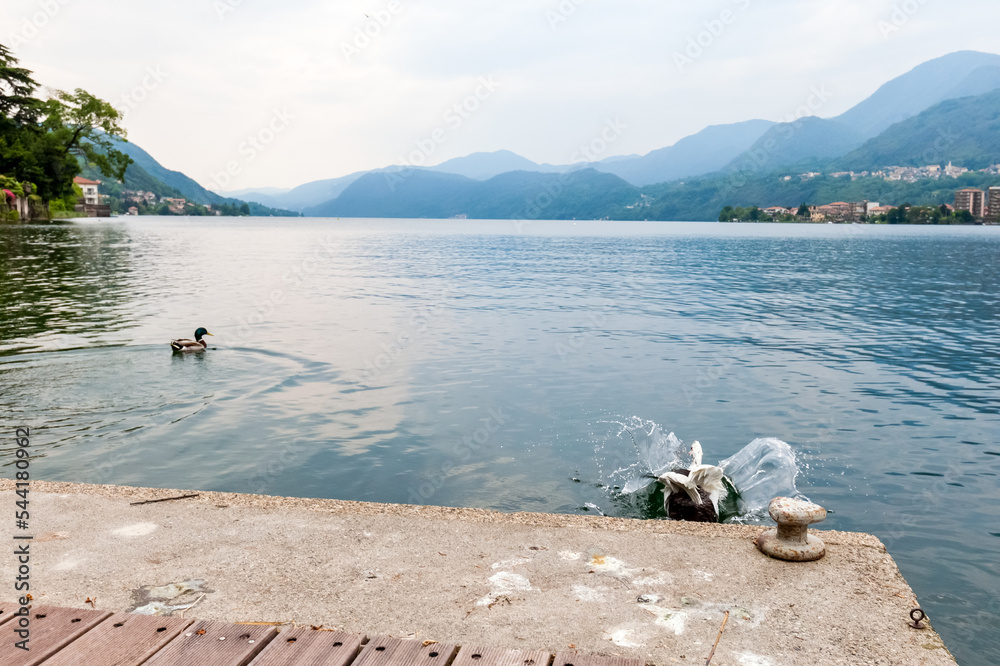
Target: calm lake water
point(488, 364)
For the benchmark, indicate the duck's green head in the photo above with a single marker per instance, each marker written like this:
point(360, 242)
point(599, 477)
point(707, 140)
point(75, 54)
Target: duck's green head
point(201, 332)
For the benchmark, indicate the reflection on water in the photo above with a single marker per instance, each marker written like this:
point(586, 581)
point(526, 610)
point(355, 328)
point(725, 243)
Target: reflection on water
point(60, 285)
point(476, 364)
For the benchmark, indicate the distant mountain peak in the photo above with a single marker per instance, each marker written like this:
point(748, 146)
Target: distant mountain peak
point(917, 90)
point(485, 165)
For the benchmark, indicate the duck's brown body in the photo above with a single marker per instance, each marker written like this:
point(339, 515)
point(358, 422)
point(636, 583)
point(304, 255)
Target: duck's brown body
point(187, 345)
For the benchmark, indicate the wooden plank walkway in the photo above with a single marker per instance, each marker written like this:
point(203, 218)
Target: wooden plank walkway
point(73, 637)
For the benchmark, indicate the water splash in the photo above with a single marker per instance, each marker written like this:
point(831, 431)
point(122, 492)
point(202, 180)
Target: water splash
point(762, 470)
point(656, 453)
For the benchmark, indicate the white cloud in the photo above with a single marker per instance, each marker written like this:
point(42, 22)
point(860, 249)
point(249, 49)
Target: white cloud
point(562, 79)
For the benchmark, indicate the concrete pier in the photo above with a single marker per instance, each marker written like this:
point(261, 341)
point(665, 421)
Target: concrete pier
point(654, 590)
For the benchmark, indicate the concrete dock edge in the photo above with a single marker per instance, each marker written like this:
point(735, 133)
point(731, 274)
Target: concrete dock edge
point(655, 590)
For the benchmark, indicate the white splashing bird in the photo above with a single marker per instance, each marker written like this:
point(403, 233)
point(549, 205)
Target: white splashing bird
point(693, 494)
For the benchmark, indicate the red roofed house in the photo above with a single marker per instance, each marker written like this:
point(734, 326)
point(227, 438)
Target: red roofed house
point(90, 190)
point(91, 198)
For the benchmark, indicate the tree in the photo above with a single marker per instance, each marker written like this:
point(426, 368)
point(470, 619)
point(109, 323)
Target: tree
point(17, 102)
point(86, 126)
point(727, 214)
point(896, 216)
point(42, 142)
point(803, 210)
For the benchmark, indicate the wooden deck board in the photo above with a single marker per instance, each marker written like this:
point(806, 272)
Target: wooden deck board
point(7, 610)
point(472, 655)
point(120, 640)
point(215, 643)
point(73, 637)
point(396, 652)
point(306, 647)
point(51, 628)
point(577, 659)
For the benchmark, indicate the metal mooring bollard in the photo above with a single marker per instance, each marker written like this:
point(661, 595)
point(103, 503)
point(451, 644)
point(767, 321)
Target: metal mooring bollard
point(791, 539)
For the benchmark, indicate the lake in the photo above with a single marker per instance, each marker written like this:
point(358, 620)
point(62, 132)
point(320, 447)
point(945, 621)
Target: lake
point(493, 364)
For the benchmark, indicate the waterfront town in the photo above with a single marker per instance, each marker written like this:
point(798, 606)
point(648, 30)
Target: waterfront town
point(971, 205)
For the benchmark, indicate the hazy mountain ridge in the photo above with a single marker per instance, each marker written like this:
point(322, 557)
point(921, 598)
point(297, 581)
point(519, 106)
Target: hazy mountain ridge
point(188, 188)
point(965, 131)
point(740, 163)
point(582, 194)
point(704, 152)
point(814, 138)
point(952, 75)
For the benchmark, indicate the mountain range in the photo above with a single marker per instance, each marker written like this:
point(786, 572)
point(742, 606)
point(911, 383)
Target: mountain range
point(946, 109)
point(147, 175)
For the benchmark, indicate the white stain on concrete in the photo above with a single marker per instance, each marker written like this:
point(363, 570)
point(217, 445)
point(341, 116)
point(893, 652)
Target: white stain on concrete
point(584, 593)
point(568, 555)
point(702, 575)
point(673, 620)
point(623, 638)
point(612, 566)
point(504, 583)
point(510, 564)
point(136, 530)
point(750, 659)
point(174, 590)
point(662, 578)
point(68, 563)
point(607, 564)
point(160, 608)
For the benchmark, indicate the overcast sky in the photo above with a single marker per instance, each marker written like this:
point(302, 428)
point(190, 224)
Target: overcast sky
point(329, 88)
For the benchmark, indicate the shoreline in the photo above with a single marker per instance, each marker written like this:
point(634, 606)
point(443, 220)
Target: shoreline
point(653, 590)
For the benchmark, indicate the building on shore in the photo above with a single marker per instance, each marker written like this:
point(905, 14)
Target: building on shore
point(993, 212)
point(843, 211)
point(91, 203)
point(176, 205)
point(972, 200)
point(91, 190)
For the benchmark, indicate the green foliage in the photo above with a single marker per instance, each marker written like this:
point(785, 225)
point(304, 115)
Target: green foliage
point(965, 131)
point(701, 199)
point(17, 102)
point(738, 214)
point(40, 140)
point(7, 183)
point(66, 204)
point(907, 214)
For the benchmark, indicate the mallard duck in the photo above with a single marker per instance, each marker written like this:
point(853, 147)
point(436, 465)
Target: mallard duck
point(694, 494)
point(186, 345)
